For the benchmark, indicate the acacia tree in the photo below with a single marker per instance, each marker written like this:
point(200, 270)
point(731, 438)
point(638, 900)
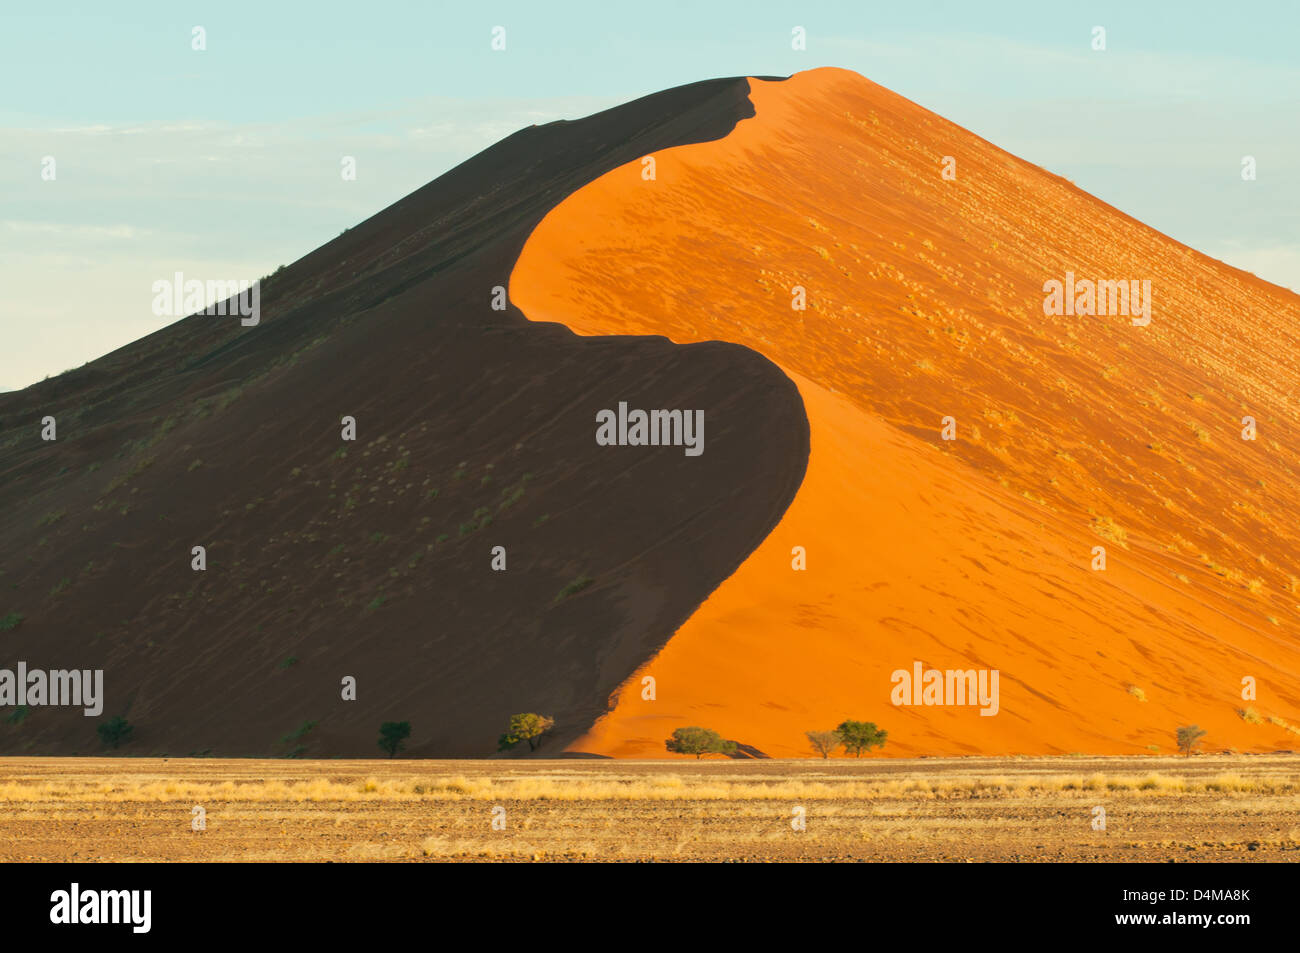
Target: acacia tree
point(860, 736)
point(1189, 736)
point(699, 741)
point(115, 732)
point(392, 734)
point(529, 727)
point(824, 742)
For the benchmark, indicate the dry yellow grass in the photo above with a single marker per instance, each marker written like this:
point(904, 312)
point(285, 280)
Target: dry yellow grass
point(669, 787)
point(934, 809)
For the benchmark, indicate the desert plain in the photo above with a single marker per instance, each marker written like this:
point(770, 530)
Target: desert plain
point(1021, 809)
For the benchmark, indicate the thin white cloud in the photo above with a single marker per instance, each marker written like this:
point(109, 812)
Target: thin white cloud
point(64, 231)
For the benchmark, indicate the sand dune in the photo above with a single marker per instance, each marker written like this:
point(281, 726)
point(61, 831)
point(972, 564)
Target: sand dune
point(924, 300)
point(374, 559)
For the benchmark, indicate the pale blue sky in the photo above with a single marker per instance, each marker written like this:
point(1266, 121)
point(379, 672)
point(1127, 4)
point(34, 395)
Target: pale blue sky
point(225, 162)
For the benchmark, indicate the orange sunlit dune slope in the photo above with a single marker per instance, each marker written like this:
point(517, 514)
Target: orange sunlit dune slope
point(924, 299)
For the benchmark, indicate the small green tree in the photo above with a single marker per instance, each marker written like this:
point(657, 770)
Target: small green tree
point(392, 734)
point(529, 727)
point(824, 742)
point(699, 741)
point(860, 736)
point(115, 732)
point(1189, 736)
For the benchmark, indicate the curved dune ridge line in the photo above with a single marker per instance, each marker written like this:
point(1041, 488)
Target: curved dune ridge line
point(471, 431)
point(925, 299)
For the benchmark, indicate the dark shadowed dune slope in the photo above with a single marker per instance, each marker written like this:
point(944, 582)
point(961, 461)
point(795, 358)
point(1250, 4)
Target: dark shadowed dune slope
point(476, 429)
